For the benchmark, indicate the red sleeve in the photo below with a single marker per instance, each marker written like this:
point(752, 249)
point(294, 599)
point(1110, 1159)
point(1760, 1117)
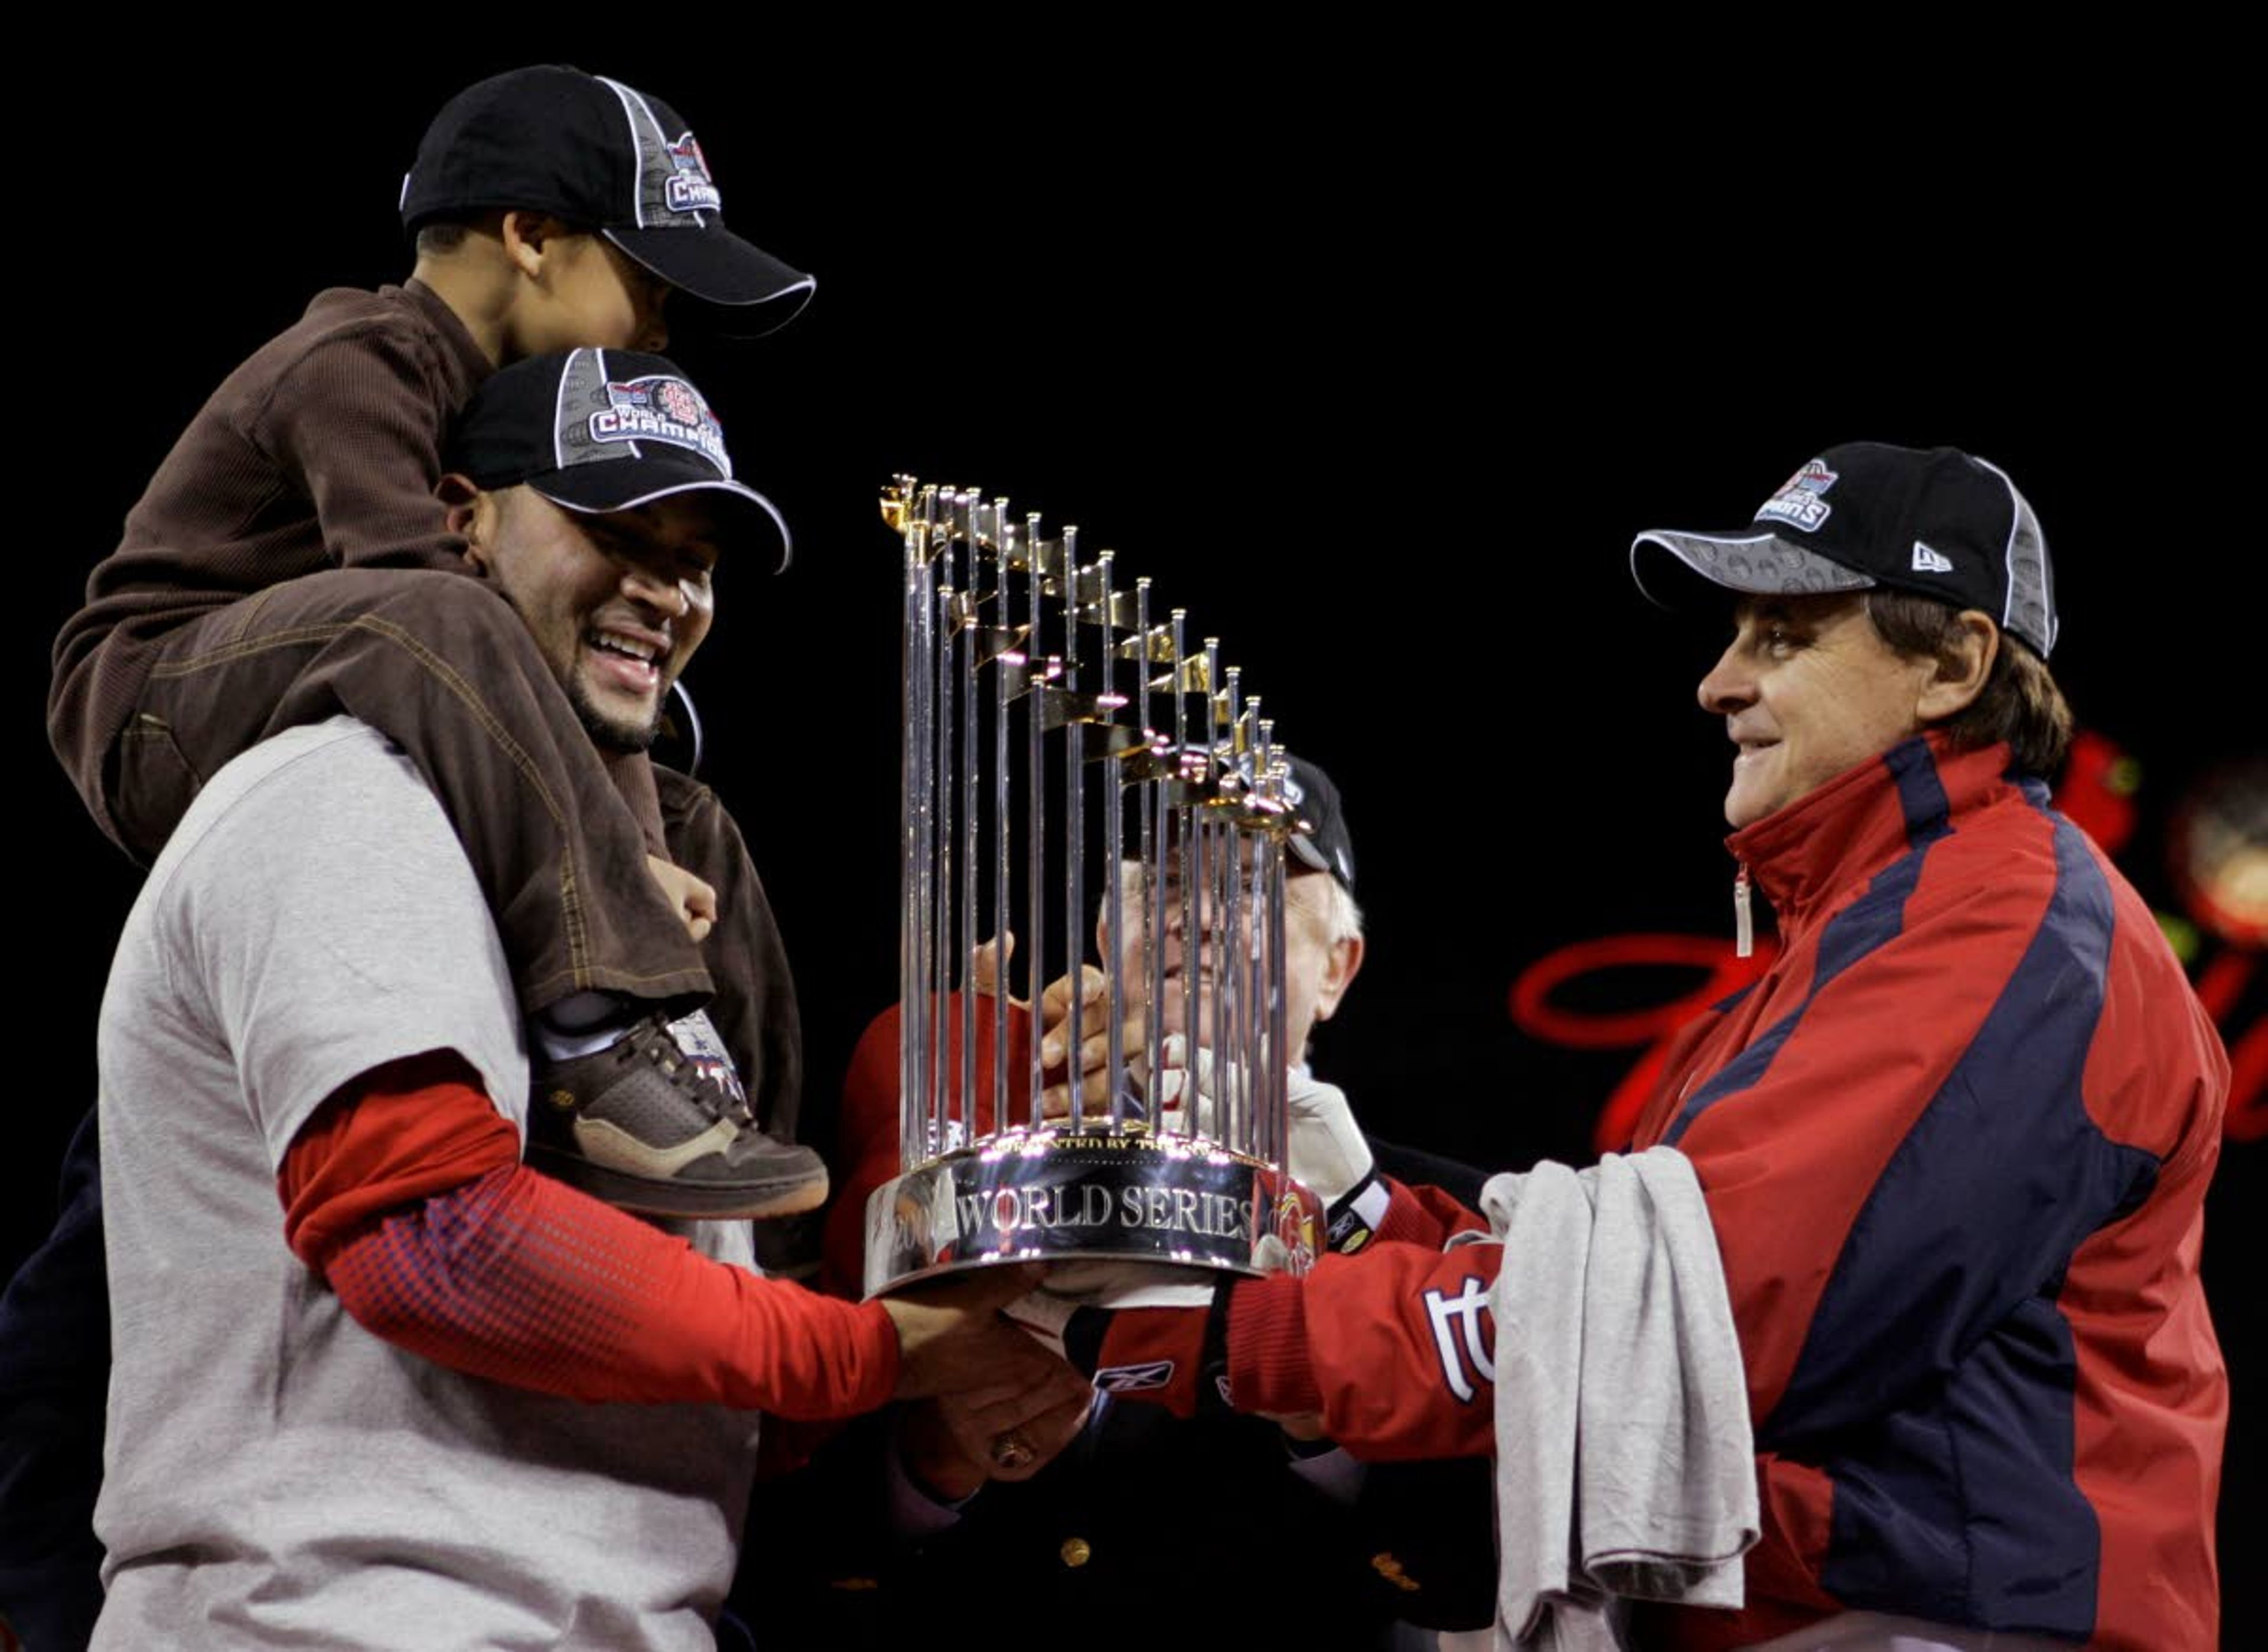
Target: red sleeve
point(398, 1135)
point(866, 1151)
point(1423, 1216)
point(866, 1130)
point(402, 1193)
point(1395, 1347)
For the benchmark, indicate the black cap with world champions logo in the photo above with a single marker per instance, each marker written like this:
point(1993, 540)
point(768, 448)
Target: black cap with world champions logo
point(1938, 523)
point(1321, 842)
point(601, 155)
point(1324, 846)
point(597, 431)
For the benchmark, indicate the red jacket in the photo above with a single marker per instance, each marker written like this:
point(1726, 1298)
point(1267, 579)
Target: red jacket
point(1955, 1143)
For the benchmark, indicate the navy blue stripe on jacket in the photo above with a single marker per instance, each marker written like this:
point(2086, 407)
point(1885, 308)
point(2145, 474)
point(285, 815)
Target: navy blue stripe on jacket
point(1935, 1384)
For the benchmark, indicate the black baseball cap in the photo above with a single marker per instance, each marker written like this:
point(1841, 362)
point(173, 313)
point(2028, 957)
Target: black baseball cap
point(1324, 846)
point(1938, 523)
point(596, 152)
point(596, 431)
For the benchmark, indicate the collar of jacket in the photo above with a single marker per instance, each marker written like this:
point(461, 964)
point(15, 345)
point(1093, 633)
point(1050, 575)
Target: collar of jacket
point(1834, 838)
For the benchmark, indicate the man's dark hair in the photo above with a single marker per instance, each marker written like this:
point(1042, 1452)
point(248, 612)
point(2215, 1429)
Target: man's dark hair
point(2020, 703)
point(438, 240)
point(444, 235)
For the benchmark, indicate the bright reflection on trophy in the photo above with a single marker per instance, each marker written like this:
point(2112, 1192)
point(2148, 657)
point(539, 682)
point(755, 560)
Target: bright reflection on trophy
point(1059, 726)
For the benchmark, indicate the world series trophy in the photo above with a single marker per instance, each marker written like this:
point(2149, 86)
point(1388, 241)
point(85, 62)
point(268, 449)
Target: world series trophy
point(1050, 711)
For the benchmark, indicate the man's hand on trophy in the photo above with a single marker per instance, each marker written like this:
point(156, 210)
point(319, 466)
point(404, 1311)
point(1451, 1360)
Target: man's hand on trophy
point(987, 967)
point(1091, 999)
point(1074, 1027)
point(1072, 1013)
point(952, 1337)
point(1075, 1032)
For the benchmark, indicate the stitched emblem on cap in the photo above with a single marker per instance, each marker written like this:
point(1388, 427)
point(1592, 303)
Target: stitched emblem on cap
point(690, 189)
point(1928, 561)
point(660, 409)
point(1798, 501)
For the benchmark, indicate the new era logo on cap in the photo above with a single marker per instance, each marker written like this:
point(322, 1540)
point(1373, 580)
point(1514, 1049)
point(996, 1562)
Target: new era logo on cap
point(1928, 561)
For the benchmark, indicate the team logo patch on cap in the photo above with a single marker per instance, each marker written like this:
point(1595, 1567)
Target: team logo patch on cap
point(660, 409)
point(690, 189)
point(1134, 1379)
point(1798, 501)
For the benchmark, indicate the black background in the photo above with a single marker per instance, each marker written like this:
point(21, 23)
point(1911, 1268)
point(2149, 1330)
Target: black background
point(1373, 351)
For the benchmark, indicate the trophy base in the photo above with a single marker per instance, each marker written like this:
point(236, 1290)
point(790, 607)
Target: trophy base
point(1050, 1195)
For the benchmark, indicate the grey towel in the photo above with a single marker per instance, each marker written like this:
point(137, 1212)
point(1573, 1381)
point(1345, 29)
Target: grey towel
point(1625, 1468)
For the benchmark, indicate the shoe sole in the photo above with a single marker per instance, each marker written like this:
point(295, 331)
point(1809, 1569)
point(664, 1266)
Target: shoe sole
point(750, 1201)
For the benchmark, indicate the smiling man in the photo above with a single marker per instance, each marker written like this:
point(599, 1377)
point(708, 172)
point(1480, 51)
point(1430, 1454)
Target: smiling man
point(617, 643)
point(275, 572)
point(616, 604)
point(1955, 1142)
point(377, 1381)
point(592, 494)
point(1951, 1151)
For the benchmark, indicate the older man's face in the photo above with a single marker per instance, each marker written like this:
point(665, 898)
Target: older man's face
point(1316, 966)
point(1807, 689)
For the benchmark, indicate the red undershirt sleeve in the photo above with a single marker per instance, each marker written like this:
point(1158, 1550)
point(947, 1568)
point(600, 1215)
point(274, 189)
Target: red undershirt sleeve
point(868, 1130)
point(406, 1192)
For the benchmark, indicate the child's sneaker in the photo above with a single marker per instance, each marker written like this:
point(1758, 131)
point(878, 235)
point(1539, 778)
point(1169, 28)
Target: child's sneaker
point(657, 1122)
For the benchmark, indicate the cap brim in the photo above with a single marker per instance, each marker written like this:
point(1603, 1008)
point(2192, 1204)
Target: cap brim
point(1677, 571)
point(745, 290)
point(588, 490)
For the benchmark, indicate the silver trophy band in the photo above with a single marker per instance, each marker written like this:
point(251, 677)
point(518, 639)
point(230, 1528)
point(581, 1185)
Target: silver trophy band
point(1057, 727)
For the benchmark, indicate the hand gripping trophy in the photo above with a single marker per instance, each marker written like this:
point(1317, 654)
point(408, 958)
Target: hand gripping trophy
point(1055, 723)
